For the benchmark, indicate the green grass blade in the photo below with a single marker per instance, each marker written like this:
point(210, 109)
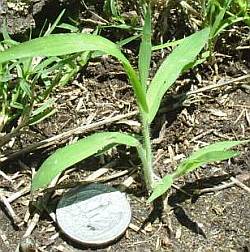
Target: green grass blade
point(172, 67)
point(62, 44)
point(68, 27)
point(161, 187)
point(47, 104)
point(52, 28)
point(74, 153)
point(228, 22)
point(191, 164)
point(168, 44)
point(212, 153)
point(219, 18)
point(4, 31)
point(145, 50)
point(110, 8)
point(25, 86)
point(43, 115)
point(137, 86)
point(113, 8)
point(128, 40)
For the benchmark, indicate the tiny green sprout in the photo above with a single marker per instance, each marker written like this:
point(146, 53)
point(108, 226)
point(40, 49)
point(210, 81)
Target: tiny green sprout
point(220, 15)
point(147, 95)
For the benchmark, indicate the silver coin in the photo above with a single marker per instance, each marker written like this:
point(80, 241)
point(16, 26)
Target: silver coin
point(95, 214)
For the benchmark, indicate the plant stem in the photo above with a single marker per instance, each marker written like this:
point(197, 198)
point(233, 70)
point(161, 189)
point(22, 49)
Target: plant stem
point(147, 162)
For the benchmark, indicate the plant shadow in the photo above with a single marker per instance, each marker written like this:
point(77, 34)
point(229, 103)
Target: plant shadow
point(188, 191)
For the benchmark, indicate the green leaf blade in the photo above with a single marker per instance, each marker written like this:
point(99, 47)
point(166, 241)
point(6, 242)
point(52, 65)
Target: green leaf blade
point(172, 67)
point(161, 187)
point(212, 153)
point(69, 155)
point(145, 50)
point(62, 44)
point(215, 27)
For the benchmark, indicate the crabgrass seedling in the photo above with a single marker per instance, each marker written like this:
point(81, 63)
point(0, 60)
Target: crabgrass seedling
point(22, 102)
point(147, 95)
point(219, 15)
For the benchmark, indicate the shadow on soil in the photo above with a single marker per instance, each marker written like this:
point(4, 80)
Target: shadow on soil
point(189, 191)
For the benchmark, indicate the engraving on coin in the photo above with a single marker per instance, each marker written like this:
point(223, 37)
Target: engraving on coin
point(94, 214)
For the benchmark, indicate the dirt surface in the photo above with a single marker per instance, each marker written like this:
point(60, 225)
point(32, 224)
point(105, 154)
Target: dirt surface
point(191, 218)
point(23, 16)
point(215, 221)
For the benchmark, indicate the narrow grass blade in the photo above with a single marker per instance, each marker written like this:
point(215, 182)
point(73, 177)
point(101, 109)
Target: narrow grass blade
point(215, 29)
point(45, 107)
point(172, 67)
point(62, 44)
point(113, 7)
point(68, 27)
point(168, 44)
point(228, 22)
point(161, 187)
point(212, 153)
point(4, 31)
point(74, 153)
point(24, 85)
point(128, 40)
point(110, 7)
point(43, 115)
point(145, 50)
point(52, 28)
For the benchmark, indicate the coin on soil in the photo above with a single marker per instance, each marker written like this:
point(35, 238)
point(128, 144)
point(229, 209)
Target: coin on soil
point(93, 214)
